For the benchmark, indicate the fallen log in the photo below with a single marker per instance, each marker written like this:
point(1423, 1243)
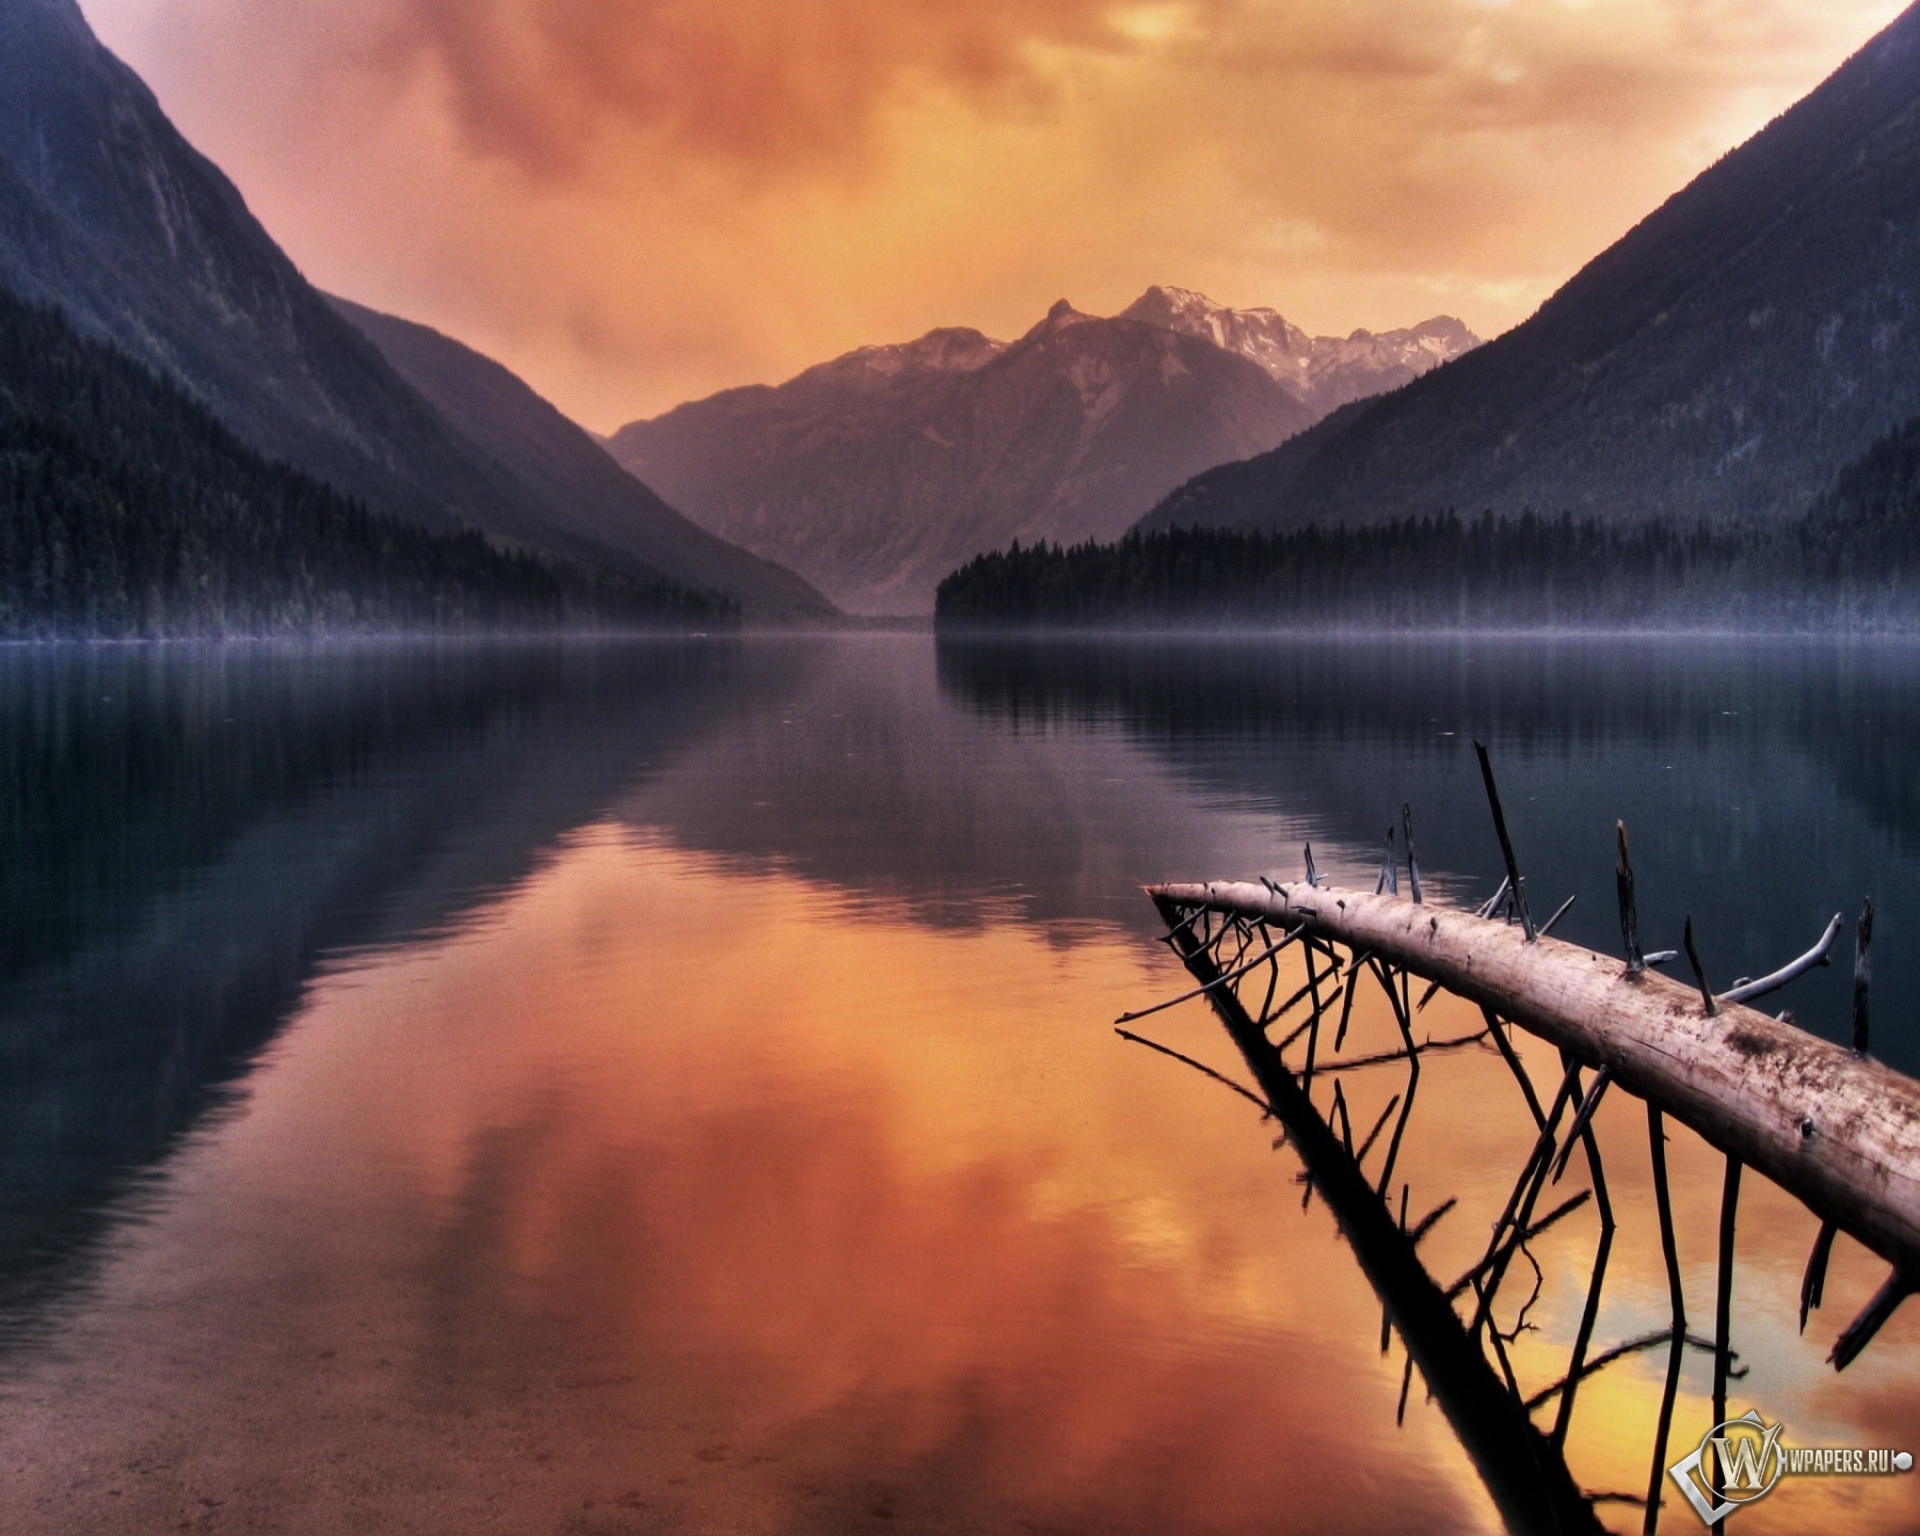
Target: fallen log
point(1524, 1470)
point(1835, 1129)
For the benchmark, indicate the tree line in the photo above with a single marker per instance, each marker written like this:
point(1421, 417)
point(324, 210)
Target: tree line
point(128, 510)
point(1852, 561)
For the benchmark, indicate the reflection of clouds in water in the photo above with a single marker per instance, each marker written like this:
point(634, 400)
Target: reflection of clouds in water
point(198, 830)
point(929, 1231)
point(711, 1195)
point(714, 1135)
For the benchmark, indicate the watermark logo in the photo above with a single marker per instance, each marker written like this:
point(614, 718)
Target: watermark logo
point(1750, 1461)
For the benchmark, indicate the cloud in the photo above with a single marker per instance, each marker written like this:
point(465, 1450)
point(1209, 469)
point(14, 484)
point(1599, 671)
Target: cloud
point(762, 82)
point(637, 201)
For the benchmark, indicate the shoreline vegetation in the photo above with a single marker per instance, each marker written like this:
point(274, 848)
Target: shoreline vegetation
point(1850, 564)
point(129, 511)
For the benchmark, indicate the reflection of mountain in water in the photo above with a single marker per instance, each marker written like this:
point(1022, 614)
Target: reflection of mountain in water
point(1766, 785)
point(189, 833)
point(868, 777)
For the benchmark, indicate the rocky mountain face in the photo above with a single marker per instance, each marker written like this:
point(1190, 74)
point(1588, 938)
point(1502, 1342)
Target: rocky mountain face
point(877, 473)
point(1720, 362)
point(109, 214)
point(1322, 372)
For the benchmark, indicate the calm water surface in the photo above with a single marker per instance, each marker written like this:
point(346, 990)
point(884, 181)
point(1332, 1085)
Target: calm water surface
point(669, 1087)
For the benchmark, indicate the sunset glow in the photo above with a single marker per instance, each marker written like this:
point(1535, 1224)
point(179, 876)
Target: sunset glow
point(635, 202)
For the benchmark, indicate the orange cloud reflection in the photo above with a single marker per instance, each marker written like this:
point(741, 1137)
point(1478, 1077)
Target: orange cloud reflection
point(666, 1197)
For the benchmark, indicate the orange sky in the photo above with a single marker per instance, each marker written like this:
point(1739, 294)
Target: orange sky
point(635, 202)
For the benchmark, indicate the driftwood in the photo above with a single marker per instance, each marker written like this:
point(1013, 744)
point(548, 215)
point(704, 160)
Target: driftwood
point(1837, 1130)
point(1523, 1470)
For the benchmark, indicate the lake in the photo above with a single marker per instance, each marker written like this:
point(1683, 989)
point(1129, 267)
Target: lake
point(670, 1086)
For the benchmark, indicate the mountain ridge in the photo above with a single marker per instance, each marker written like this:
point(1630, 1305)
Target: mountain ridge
point(110, 215)
point(1722, 360)
point(129, 511)
point(1325, 372)
point(873, 488)
point(876, 472)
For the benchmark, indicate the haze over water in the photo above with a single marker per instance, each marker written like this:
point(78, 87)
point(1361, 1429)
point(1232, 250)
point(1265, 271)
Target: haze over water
point(670, 1086)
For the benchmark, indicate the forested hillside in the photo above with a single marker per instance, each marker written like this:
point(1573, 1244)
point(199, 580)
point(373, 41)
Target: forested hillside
point(1869, 522)
point(1852, 562)
point(127, 509)
point(110, 215)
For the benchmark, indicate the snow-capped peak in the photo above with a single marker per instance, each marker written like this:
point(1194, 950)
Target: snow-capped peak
point(949, 349)
point(1324, 371)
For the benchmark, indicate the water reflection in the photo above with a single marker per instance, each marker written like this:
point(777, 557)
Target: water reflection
point(1524, 1470)
point(669, 1088)
point(775, 1253)
point(188, 833)
point(865, 775)
point(1767, 784)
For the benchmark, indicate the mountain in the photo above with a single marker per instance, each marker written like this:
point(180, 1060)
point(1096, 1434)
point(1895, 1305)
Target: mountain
point(107, 213)
point(1868, 521)
point(1322, 372)
point(571, 473)
point(1722, 361)
point(877, 473)
point(128, 510)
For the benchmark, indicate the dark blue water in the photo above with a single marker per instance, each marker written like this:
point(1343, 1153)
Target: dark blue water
point(1766, 785)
